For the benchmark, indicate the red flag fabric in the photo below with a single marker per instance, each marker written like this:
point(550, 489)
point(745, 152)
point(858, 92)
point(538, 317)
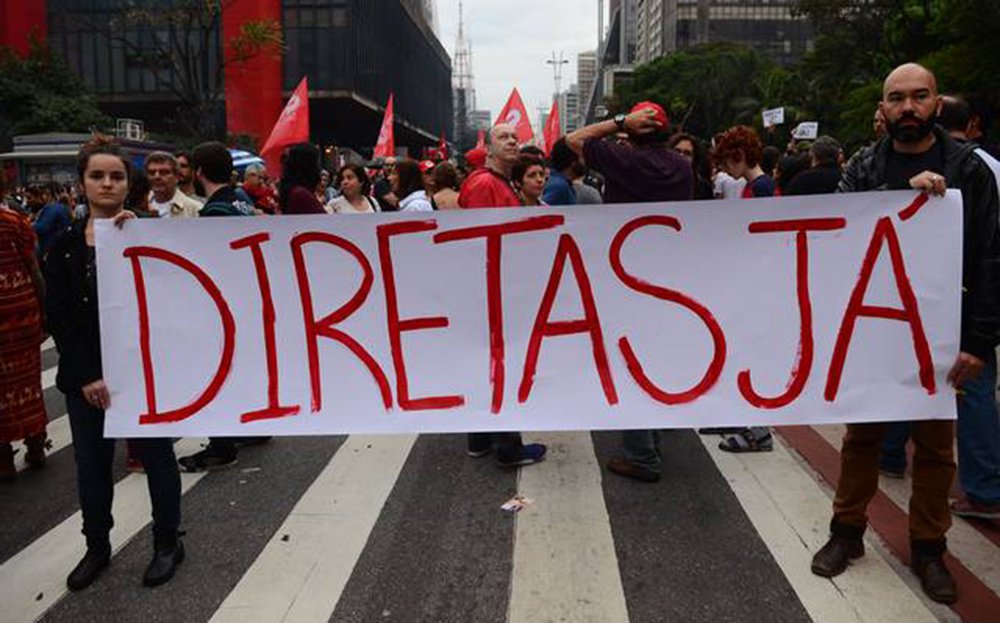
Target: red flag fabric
point(552, 128)
point(481, 140)
point(443, 147)
point(516, 115)
point(292, 127)
point(386, 144)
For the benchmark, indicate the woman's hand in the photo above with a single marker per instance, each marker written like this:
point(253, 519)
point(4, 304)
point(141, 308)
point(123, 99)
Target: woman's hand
point(97, 394)
point(121, 217)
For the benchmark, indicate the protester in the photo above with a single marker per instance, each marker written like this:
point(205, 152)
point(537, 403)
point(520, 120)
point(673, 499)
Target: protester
point(446, 186)
point(382, 188)
point(185, 176)
point(790, 166)
point(769, 160)
point(586, 192)
point(300, 176)
point(980, 121)
point(917, 154)
point(427, 171)
point(528, 178)
point(823, 174)
point(166, 199)
point(72, 319)
point(49, 217)
point(739, 152)
point(476, 158)
point(355, 189)
point(212, 163)
point(559, 190)
point(22, 292)
point(644, 169)
point(489, 187)
point(690, 147)
point(323, 187)
point(408, 183)
point(139, 192)
point(260, 191)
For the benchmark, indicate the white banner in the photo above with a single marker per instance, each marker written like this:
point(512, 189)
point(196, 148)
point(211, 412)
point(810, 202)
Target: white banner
point(770, 311)
point(807, 130)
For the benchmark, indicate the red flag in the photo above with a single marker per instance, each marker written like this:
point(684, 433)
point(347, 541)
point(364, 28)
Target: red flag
point(516, 115)
point(481, 140)
point(386, 145)
point(552, 128)
point(443, 147)
point(292, 127)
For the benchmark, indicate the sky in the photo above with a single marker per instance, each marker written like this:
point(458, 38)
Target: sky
point(512, 39)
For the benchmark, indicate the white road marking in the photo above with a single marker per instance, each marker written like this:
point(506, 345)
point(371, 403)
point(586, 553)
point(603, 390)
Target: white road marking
point(301, 577)
point(34, 579)
point(565, 566)
point(791, 513)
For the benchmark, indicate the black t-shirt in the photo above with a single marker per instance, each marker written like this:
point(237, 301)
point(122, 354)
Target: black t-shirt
point(901, 167)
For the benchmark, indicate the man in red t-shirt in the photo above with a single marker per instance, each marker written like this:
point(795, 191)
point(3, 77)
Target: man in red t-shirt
point(490, 187)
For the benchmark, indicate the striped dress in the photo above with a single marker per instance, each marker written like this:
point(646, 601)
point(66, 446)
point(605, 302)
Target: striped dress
point(22, 408)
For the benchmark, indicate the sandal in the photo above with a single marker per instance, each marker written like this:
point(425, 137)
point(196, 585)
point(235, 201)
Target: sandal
point(747, 441)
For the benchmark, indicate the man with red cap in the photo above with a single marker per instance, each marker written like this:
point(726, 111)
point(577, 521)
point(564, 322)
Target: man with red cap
point(642, 169)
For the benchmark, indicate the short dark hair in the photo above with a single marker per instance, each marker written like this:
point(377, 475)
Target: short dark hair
point(979, 106)
point(410, 178)
point(214, 161)
point(525, 162)
point(445, 176)
point(955, 114)
point(826, 151)
point(562, 157)
point(532, 150)
point(183, 153)
point(100, 144)
point(360, 173)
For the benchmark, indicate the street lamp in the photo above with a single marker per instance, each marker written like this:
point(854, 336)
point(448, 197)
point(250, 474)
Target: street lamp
point(557, 63)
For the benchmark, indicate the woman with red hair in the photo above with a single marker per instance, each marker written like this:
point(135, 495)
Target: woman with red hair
point(738, 152)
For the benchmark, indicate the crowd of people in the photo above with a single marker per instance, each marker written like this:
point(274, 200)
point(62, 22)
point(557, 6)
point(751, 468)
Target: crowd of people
point(920, 140)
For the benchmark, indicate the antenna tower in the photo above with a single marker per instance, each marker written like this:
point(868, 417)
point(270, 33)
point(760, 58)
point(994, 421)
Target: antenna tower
point(463, 84)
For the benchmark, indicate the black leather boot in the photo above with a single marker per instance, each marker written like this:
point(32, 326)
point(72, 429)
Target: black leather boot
point(834, 557)
point(935, 578)
point(167, 554)
point(96, 559)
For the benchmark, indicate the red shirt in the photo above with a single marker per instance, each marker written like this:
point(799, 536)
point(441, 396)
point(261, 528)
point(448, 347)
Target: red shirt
point(485, 188)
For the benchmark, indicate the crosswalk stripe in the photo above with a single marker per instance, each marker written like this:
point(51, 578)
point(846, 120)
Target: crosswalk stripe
point(34, 579)
point(48, 344)
point(59, 434)
point(301, 573)
point(49, 378)
point(965, 542)
point(565, 566)
point(790, 511)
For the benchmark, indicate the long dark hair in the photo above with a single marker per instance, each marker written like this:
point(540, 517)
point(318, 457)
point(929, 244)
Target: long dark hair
point(410, 178)
point(300, 167)
point(360, 173)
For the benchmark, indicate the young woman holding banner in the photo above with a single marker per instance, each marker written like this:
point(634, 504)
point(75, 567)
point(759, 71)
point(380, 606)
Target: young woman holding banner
point(71, 303)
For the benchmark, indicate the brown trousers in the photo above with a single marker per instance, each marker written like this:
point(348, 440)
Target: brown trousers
point(933, 473)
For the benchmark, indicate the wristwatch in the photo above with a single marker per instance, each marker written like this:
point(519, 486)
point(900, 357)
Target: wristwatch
point(620, 121)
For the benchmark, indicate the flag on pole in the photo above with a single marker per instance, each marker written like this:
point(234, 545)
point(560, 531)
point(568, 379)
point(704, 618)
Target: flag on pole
point(515, 114)
point(552, 128)
point(292, 127)
point(481, 140)
point(386, 145)
point(443, 147)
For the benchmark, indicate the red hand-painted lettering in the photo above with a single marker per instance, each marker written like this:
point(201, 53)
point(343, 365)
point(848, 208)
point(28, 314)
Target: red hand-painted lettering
point(494, 295)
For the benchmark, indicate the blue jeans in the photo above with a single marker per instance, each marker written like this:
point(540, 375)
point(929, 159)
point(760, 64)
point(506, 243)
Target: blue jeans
point(894, 446)
point(979, 437)
point(642, 448)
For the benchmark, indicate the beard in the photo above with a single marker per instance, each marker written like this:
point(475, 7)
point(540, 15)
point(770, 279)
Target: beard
point(909, 133)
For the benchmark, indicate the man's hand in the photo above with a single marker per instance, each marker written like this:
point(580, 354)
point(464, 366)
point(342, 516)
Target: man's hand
point(642, 122)
point(97, 394)
point(929, 182)
point(966, 368)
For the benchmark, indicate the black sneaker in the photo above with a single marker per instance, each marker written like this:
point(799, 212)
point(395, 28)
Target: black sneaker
point(530, 454)
point(207, 460)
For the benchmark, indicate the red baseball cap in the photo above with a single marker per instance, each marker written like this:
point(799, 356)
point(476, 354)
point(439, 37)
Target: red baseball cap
point(476, 157)
point(426, 165)
point(659, 114)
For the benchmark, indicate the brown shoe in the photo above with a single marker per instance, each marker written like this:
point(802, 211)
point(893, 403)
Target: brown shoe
point(629, 470)
point(935, 578)
point(36, 445)
point(8, 471)
point(834, 557)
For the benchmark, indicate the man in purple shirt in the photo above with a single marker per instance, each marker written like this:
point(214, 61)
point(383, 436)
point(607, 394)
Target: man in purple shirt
point(641, 169)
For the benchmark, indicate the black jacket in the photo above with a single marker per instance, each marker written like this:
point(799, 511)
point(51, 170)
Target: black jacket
point(71, 309)
point(981, 245)
point(815, 181)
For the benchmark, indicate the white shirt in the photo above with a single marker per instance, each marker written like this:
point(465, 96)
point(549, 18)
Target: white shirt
point(728, 187)
point(416, 202)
